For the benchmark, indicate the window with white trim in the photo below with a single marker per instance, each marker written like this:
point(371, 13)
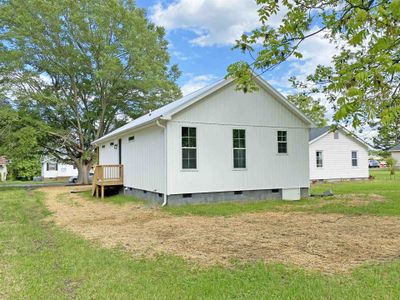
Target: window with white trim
point(336, 135)
point(282, 142)
point(189, 148)
point(354, 158)
point(52, 166)
point(239, 148)
point(319, 159)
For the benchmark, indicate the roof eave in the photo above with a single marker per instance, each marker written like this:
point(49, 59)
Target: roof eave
point(107, 138)
point(349, 133)
point(286, 102)
point(206, 93)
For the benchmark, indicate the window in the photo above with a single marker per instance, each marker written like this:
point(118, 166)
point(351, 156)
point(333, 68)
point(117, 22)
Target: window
point(52, 167)
point(282, 141)
point(239, 148)
point(336, 135)
point(189, 151)
point(354, 159)
point(318, 156)
point(131, 138)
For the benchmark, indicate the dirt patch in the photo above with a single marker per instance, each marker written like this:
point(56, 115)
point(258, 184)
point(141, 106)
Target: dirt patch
point(326, 242)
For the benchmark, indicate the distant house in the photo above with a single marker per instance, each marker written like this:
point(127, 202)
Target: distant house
point(3, 168)
point(395, 151)
point(337, 155)
point(214, 144)
point(53, 169)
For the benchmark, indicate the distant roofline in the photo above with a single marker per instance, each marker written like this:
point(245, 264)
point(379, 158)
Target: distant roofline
point(340, 128)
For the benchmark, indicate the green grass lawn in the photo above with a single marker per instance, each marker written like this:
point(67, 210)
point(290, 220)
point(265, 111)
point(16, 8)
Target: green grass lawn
point(41, 261)
point(22, 182)
point(382, 185)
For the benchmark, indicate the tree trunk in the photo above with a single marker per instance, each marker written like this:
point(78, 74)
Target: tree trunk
point(84, 167)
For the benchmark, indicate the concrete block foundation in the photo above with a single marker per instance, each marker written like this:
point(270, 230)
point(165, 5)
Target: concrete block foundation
point(213, 197)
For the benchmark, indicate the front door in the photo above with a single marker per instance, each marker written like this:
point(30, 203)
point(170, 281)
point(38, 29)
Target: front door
point(120, 152)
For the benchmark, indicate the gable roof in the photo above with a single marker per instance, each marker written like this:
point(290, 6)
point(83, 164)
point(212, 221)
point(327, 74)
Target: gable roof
point(395, 148)
point(167, 111)
point(317, 133)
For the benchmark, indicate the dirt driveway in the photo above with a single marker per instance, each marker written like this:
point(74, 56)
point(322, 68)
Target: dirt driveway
point(326, 242)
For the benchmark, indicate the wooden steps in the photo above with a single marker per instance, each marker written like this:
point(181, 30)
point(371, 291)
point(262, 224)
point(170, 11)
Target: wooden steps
point(106, 176)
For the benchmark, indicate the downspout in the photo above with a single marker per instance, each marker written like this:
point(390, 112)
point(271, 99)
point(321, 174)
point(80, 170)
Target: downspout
point(165, 202)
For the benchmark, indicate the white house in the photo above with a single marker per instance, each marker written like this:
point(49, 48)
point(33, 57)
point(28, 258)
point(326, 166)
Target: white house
point(3, 168)
point(214, 144)
point(337, 155)
point(53, 169)
point(395, 151)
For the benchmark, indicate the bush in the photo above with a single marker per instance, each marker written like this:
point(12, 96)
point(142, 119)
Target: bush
point(24, 169)
point(391, 165)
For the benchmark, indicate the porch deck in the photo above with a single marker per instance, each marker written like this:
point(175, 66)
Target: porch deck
point(106, 176)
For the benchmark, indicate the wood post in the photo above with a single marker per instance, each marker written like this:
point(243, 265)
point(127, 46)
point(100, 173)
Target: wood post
point(106, 175)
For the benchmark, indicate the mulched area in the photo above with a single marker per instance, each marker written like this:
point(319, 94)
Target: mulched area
point(329, 243)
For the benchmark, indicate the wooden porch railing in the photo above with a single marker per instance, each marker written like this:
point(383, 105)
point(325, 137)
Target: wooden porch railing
point(106, 175)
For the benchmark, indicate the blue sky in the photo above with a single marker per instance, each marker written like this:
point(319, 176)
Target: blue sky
point(202, 32)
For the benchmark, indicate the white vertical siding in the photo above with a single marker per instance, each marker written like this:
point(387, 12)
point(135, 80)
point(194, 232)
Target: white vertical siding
point(228, 106)
point(396, 156)
point(144, 159)
point(215, 118)
point(337, 158)
point(108, 153)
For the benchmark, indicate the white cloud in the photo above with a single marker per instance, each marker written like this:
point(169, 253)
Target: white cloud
point(180, 55)
point(214, 22)
point(197, 82)
point(316, 50)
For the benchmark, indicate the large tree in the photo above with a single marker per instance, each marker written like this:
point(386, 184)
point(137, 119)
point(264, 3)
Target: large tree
point(19, 143)
point(387, 136)
point(362, 82)
point(82, 68)
point(311, 107)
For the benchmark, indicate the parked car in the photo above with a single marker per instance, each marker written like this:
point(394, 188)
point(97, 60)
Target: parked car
point(372, 163)
point(74, 179)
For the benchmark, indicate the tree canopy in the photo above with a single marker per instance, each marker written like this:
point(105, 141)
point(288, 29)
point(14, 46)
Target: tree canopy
point(19, 143)
point(79, 69)
point(310, 107)
point(363, 80)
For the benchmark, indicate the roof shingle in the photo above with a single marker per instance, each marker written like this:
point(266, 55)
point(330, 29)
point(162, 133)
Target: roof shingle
point(317, 132)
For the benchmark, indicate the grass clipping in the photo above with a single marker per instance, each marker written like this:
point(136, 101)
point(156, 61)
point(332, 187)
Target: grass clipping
point(329, 243)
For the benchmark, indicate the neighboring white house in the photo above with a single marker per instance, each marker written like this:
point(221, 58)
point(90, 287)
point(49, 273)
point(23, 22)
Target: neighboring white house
point(3, 168)
point(337, 155)
point(214, 144)
point(53, 169)
point(395, 151)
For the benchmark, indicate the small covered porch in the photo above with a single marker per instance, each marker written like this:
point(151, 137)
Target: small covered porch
point(106, 176)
